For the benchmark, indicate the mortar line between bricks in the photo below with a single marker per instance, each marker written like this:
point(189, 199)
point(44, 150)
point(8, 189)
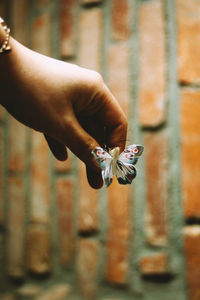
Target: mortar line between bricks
point(137, 211)
point(52, 175)
point(27, 186)
point(175, 213)
point(103, 199)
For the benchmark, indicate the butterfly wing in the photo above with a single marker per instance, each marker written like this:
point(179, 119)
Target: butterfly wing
point(104, 160)
point(125, 169)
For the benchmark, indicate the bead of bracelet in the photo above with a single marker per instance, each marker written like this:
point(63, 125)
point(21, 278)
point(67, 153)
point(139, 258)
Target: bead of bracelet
point(5, 47)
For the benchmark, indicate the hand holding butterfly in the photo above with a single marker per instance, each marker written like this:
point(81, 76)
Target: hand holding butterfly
point(70, 105)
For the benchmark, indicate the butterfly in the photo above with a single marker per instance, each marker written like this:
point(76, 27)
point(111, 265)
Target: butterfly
point(121, 165)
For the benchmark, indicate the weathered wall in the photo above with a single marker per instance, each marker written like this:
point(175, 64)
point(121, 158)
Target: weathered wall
point(59, 239)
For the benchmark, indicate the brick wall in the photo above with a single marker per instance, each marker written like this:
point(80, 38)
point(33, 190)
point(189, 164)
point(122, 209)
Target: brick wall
point(60, 239)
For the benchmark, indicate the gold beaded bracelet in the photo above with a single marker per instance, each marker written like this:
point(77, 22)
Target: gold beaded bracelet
point(5, 47)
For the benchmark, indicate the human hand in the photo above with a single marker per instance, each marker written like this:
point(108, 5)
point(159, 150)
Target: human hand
point(71, 105)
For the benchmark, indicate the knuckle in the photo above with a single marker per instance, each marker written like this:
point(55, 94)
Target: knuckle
point(85, 148)
point(97, 79)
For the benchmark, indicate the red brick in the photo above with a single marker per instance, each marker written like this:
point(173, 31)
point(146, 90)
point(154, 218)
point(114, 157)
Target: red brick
point(190, 149)
point(40, 195)
point(28, 291)
point(19, 24)
point(67, 28)
point(41, 34)
point(65, 220)
point(39, 250)
point(17, 146)
point(90, 39)
point(121, 19)
point(56, 292)
point(118, 235)
point(16, 228)
point(88, 206)
point(188, 25)
point(154, 264)
point(119, 74)
point(151, 64)
point(87, 267)
point(192, 257)
point(156, 227)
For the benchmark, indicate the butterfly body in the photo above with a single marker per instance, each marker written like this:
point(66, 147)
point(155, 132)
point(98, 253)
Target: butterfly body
point(115, 155)
point(120, 165)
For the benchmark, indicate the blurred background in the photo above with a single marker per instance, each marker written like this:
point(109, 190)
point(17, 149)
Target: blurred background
point(60, 239)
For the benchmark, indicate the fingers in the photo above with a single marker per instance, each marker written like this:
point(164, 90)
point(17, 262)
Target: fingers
point(94, 178)
point(95, 129)
point(112, 116)
point(79, 141)
point(59, 150)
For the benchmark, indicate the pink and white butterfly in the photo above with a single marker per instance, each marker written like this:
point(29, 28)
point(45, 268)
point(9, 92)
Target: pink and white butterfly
point(120, 165)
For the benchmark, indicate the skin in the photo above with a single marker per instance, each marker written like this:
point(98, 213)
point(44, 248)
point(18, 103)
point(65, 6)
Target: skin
point(70, 105)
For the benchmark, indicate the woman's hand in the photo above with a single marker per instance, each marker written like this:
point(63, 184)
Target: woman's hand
point(71, 105)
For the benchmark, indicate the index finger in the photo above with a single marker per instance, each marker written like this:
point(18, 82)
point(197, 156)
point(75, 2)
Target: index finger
point(114, 119)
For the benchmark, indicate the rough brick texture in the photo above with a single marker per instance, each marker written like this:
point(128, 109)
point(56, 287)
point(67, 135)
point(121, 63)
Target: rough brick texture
point(90, 39)
point(118, 235)
point(65, 220)
point(121, 19)
point(67, 28)
point(39, 250)
point(88, 207)
point(188, 25)
point(157, 190)
point(17, 151)
point(16, 229)
point(87, 267)
point(39, 180)
point(190, 147)
point(151, 64)
point(41, 40)
point(192, 248)
point(119, 82)
point(154, 264)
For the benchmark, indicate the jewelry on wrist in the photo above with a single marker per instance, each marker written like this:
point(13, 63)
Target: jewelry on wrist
point(5, 47)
